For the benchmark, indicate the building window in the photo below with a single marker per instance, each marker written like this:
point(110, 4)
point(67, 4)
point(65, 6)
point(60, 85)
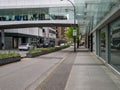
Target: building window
point(103, 43)
point(115, 44)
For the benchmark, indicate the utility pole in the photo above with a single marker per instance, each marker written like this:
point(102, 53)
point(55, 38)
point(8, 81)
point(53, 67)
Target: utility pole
point(74, 31)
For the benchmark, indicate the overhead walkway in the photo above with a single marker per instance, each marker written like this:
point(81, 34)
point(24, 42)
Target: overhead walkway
point(40, 23)
point(36, 16)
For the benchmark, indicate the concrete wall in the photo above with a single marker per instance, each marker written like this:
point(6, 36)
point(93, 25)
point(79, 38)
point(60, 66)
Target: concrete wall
point(30, 31)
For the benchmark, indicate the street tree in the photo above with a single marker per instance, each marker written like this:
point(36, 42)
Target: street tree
point(69, 34)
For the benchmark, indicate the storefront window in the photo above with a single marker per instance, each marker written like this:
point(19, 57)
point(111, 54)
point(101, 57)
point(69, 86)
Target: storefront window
point(115, 44)
point(103, 43)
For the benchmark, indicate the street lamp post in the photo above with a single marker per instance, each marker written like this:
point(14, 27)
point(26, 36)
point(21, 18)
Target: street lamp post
point(74, 10)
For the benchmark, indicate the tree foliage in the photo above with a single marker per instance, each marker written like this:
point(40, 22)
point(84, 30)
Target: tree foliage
point(69, 32)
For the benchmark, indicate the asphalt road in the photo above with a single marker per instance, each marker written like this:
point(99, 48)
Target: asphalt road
point(30, 72)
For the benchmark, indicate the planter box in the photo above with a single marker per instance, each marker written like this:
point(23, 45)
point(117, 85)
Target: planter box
point(9, 60)
point(30, 55)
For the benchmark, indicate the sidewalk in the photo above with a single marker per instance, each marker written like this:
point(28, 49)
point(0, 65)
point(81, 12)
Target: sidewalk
point(89, 73)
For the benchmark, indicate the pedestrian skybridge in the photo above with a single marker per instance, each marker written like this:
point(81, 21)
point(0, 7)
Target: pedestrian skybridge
point(36, 16)
point(41, 23)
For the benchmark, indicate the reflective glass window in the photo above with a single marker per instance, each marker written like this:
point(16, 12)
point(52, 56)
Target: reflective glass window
point(115, 44)
point(103, 43)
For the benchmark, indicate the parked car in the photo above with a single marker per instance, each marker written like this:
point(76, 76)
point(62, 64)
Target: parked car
point(40, 45)
point(52, 44)
point(25, 46)
point(46, 44)
point(117, 46)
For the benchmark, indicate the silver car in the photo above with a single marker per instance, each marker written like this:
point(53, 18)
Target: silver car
point(25, 46)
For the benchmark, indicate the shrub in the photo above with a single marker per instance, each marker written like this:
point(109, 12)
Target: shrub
point(47, 49)
point(8, 55)
point(44, 49)
point(34, 51)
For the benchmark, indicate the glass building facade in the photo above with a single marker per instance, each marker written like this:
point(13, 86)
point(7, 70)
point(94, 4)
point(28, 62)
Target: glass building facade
point(30, 10)
point(102, 19)
point(103, 43)
point(93, 11)
point(26, 14)
point(115, 43)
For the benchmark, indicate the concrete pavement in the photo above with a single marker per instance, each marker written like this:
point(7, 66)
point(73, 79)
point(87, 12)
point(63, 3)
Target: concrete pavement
point(58, 78)
point(30, 72)
point(89, 73)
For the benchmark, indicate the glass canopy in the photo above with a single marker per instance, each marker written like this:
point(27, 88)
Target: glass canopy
point(93, 11)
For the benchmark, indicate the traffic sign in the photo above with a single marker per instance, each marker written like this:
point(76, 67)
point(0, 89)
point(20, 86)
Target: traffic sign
point(74, 32)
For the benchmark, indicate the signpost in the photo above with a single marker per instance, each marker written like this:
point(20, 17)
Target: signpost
point(74, 35)
point(74, 31)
